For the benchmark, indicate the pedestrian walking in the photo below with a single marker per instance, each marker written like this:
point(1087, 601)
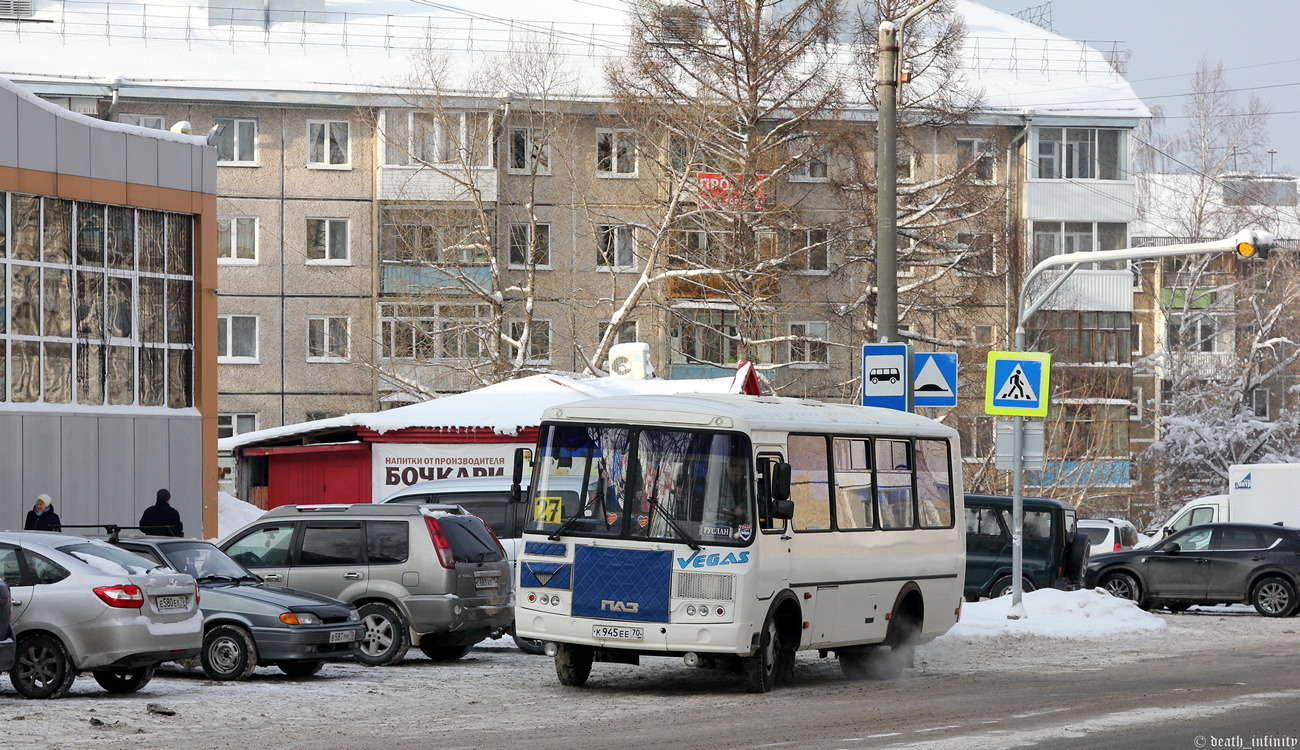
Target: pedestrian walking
point(42, 516)
point(161, 519)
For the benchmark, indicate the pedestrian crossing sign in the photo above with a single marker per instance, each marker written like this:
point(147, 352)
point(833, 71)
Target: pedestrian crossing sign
point(1017, 384)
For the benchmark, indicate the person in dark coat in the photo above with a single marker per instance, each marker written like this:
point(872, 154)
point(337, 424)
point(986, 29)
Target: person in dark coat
point(42, 516)
point(161, 519)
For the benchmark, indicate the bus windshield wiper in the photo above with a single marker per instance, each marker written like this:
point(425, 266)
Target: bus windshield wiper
point(672, 523)
point(554, 536)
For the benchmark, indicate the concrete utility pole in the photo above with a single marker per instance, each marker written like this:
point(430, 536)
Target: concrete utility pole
point(890, 72)
point(1248, 243)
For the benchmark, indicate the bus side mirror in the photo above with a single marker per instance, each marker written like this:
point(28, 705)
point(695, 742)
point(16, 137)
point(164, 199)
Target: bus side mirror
point(522, 455)
point(782, 507)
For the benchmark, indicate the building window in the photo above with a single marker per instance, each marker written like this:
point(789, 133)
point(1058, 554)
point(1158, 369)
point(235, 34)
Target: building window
point(627, 333)
point(977, 152)
point(1137, 404)
point(1135, 338)
point(808, 348)
point(976, 253)
point(981, 334)
point(237, 240)
point(1195, 332)
point(1080, 154)
point(328, 144)
point(16, 9)
point(434, 237)
point(810, 168)
point(327, 241)
point(1259, 403)
point(327, 339)
point(416, 138)
point(616, 152)
point(529, 152)
point(615, 247)
point(1053, 238)
point(1084, 336)
point(706, 335)
point(538, 345)
point(812, 248)
point(530, 241)
point(906, 165)
point(237, 141)
point(1084, 429)
point(237, 339)
point(432, 332)
point(96, 304)
point(145, 121)
point(229, 425)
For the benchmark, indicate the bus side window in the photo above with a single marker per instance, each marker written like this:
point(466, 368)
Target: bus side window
point(853, 507)
point(894, 483)
point(810, 483)
point(933, 484)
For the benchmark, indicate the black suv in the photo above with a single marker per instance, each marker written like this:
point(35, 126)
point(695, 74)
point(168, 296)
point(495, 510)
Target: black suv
point(1214, 563)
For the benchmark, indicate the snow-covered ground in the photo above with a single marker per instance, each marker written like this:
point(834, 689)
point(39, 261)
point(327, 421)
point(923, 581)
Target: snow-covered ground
point(233, 514)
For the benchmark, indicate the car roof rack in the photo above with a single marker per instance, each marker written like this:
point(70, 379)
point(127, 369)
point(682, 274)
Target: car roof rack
point(112, 529)
point(368, 509)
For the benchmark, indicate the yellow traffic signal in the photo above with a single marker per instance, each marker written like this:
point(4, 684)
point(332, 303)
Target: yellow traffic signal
point(1254, 243)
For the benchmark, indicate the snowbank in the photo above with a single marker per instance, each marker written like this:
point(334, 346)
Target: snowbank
point(233, 514)
point(1090, 613)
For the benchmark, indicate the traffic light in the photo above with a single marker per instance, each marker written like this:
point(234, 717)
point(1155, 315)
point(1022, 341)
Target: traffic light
point(1254, 243)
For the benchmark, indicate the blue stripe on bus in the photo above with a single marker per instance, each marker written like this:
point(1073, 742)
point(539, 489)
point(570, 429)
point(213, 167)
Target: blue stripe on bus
point(545, 575)
point(621, 584)
point(543, 548)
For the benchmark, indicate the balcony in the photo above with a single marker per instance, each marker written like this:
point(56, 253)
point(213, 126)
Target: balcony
point(1102, 291)
point(451, 185)
point(407, 281)
point(1066, 473)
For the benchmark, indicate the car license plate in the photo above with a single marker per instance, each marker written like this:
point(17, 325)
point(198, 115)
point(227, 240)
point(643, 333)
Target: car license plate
point(485, 582)
point(614, 632)
point(343, 636)
point(172, 602)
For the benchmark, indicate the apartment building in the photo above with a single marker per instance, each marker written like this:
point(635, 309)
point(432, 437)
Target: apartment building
point(372, 225)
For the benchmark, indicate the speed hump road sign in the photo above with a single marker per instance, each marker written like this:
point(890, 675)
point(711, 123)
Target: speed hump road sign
point(1017, 384)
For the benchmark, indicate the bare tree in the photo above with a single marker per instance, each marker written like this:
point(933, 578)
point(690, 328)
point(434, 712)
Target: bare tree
point(1228, 353)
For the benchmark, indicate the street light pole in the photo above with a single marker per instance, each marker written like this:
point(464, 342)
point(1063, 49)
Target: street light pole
point(888, 42)
point(1254, 239)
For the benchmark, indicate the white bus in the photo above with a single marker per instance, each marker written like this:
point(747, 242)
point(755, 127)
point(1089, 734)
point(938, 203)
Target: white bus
point(734, 531)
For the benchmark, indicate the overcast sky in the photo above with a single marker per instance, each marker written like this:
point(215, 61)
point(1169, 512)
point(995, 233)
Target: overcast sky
point(1255, 40)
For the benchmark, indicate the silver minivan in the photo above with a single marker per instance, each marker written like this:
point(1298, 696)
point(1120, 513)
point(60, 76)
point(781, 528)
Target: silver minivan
point(83, 605)
point(434, 577)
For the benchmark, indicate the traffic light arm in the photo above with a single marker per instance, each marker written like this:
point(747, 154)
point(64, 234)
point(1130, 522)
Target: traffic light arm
point(1246, 243)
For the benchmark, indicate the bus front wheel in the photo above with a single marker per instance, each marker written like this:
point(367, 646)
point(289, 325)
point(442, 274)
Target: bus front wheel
point(758, 672)
point(573, 663)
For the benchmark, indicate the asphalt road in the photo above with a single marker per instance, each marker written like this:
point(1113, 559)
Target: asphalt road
point(1231, 680)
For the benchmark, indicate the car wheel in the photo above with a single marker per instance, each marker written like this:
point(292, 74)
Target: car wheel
point(1002, 587)
point(573, 663)
point(42, 668)
point(228, 653)
point(385, 641)
point(123, 680)
point(1076, 558)
point(758, 672)
point(443, 653)
point(1122, 585)
point(1274, 597)
point(301, 668)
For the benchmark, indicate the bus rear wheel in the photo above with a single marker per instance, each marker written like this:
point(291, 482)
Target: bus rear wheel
point(573, 663)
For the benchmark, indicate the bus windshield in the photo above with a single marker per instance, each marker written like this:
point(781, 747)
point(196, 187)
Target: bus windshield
point(656, 484)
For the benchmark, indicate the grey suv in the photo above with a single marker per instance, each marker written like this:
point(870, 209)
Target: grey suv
point(431, 576)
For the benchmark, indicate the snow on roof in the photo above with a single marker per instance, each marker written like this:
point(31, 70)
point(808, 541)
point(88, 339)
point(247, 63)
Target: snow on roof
point(504, 408)
point(163, 49)
point(1167, 201)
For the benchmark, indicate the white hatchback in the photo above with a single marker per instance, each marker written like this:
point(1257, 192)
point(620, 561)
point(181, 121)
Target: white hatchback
point(1109, 534)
